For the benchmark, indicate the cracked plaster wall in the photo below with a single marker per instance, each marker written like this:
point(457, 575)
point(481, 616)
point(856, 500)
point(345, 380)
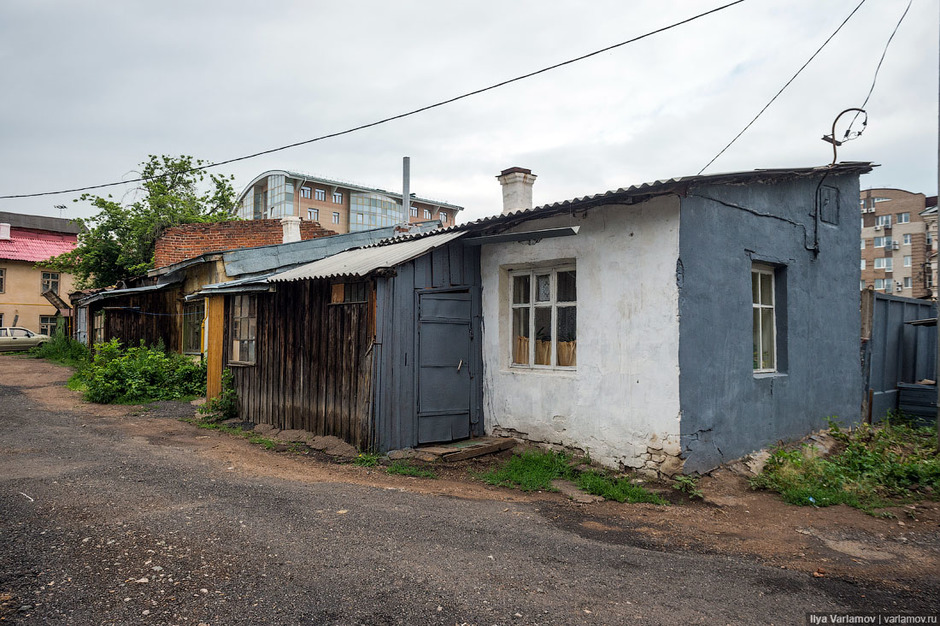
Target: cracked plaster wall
point(621, 403)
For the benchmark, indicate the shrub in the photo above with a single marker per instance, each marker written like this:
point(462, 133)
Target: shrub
point(140, 374)
point(224, 407)
point(62, 349)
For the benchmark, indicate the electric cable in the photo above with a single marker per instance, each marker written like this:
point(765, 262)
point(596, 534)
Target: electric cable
point(782, 89)
point(875, 78)
point(394, 117)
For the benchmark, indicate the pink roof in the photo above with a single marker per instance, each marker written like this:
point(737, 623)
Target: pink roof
point(26, 244)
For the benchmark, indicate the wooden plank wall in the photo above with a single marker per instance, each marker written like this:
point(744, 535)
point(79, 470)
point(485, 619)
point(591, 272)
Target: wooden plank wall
point(148, 317)
point(451, 267)
point(314, 364)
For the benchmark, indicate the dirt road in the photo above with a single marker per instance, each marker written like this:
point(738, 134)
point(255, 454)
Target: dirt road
point(120, 515)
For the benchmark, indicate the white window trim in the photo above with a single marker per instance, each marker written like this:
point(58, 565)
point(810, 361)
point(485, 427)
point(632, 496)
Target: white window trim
point(768, 271)
point(530, 305)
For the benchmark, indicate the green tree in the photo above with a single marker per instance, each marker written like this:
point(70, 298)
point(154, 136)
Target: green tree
point(118, 243)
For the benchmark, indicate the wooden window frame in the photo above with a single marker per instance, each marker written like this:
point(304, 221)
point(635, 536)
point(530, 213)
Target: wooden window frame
point(531, 305)
point(242, 318)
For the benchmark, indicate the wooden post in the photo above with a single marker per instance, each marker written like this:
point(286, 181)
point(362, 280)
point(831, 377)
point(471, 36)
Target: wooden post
point(215, 340)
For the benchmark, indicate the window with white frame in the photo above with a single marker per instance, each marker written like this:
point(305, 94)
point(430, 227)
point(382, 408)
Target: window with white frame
point(880, 242)
point(427, 214)
point(861, 285)
point(443, 216)
point(544, 317)
point(305, 192)
point(244, 329)
point(337, 197)
point(863, 244)
point(50, 282)
point(886, 264)
point(336, 217)
point(319, 194)
point(907, 239)
point(765, 326)
point(414, 211)
point(313, 214)
point(907, 282)
point(883, 220)
point(863, 264)
point(904, 218)
point(880, 283)
point(907, 261)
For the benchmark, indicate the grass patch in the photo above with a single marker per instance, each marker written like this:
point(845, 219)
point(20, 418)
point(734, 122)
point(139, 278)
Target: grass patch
point(367, 459)
point(534, 470)
point(251, 436)
point(875, 466)
point(404, 468)
point(613, 488)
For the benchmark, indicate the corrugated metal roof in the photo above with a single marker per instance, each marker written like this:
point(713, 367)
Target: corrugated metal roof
point(116, 293)
point(362, 261)
point(268, 258)
point(35, 245)
point(679, 185)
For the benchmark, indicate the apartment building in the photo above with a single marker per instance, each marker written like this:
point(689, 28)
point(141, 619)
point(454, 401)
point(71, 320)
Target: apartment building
point(33, 297)
point(339, 206)
point(896, 243)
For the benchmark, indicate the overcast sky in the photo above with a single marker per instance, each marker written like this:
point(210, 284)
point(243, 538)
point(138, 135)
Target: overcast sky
point(91, 88)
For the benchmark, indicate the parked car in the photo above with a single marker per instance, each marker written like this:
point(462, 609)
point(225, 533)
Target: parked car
point(15, 338)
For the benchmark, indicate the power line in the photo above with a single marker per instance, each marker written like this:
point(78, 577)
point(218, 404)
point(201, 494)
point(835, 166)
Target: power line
point(877, 69)
point(798, 72)
point(395, 117)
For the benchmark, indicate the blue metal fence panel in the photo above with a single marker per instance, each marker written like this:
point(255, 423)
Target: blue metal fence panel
point(899, 352)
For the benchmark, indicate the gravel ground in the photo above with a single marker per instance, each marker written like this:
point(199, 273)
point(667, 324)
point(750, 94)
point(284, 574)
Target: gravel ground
point(135, 518)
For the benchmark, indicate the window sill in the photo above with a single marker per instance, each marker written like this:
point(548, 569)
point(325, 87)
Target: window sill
point(761, 375)
point(240, 364)
point(527, 369)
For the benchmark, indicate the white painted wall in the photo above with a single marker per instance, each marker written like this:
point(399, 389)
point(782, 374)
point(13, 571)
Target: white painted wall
point(624, 395)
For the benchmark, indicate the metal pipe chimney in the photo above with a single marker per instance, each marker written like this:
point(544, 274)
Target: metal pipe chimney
point(406, 188)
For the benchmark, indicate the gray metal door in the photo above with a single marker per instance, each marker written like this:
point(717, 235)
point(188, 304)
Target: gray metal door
point(443, 385)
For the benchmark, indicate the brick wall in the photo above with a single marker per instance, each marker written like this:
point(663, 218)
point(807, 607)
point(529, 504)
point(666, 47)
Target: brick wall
point(190, 240)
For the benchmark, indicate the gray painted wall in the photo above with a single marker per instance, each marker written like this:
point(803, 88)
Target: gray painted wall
point(727, 410)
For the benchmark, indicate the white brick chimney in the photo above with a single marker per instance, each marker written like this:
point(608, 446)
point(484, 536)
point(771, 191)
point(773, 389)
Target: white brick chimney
point(5, 232)
point(517, 189)
point(291, 225)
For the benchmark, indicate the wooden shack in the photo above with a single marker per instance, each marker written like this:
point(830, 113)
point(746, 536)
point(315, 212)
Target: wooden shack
point(379, 346)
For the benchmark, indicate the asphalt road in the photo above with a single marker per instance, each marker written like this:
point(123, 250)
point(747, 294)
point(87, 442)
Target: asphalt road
point(101, 525)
